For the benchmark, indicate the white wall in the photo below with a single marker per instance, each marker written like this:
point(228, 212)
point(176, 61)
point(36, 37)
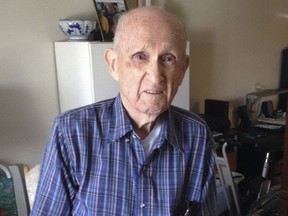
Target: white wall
point(28, 90)
point(233, 45)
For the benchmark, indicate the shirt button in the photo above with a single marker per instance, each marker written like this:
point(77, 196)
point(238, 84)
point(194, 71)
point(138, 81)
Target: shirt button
point(127, 140)
point(142, 205)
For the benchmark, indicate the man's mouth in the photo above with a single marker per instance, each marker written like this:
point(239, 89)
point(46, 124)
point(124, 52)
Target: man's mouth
point(153, 91)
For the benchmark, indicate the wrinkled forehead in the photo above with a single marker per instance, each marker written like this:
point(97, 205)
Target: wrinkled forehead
point(152, 22)
point(150, 25)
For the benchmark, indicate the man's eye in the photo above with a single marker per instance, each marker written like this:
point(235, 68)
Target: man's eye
point(140, 56)
point(168, 58)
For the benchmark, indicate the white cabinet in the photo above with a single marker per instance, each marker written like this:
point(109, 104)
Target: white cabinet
point(83, 76)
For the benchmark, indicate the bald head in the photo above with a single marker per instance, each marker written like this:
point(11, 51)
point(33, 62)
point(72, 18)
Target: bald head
point(149, 20)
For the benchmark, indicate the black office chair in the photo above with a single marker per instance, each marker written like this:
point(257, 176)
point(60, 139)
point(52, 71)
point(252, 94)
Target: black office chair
point(216, 115)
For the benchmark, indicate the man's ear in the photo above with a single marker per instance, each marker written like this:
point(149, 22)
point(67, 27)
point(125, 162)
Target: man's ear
point(185, 65)
point(110, 58)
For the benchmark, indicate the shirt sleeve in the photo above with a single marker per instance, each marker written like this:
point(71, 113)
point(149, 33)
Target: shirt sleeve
point(56, 186)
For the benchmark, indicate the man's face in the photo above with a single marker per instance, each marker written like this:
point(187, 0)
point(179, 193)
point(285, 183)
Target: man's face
point(150, 66)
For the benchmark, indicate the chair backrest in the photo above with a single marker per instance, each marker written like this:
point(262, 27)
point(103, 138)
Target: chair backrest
point(229, 187)
point(14, 191)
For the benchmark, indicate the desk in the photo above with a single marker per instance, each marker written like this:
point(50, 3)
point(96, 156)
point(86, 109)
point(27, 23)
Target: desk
point(284, 188)
point(247, 150)
point(251, 98)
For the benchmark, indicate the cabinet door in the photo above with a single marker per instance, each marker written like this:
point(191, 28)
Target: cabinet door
point(105, 86)
point(74, 74)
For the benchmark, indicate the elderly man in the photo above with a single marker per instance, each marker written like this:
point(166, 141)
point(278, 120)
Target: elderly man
point(134, 154)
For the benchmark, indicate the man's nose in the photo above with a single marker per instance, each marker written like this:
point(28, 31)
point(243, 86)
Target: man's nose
point(155, 71)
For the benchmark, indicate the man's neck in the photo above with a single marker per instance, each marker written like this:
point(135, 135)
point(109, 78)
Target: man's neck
point(144, 129)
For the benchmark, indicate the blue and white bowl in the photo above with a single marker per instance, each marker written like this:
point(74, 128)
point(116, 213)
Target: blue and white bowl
point(77, 29)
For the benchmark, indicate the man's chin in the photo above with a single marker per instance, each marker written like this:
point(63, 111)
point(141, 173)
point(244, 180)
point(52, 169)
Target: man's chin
point(155, 110)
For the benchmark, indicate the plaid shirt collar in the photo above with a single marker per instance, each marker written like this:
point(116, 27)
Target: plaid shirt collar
point(123, 126)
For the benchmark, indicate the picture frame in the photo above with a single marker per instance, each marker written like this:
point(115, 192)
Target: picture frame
point(108, 14)
point(142, 3)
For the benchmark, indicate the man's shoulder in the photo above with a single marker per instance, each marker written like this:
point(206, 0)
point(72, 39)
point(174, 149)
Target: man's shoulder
point(186, 116)
point(89, 110)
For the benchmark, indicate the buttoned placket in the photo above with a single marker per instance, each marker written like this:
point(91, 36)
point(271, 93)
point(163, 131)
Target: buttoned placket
point(141, 201)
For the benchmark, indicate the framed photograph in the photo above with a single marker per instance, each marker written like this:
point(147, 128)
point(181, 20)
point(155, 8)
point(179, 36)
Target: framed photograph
point(108, 13)
point(142, 3)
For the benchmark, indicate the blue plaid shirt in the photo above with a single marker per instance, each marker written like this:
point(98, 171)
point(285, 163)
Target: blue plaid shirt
point(95, 164)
